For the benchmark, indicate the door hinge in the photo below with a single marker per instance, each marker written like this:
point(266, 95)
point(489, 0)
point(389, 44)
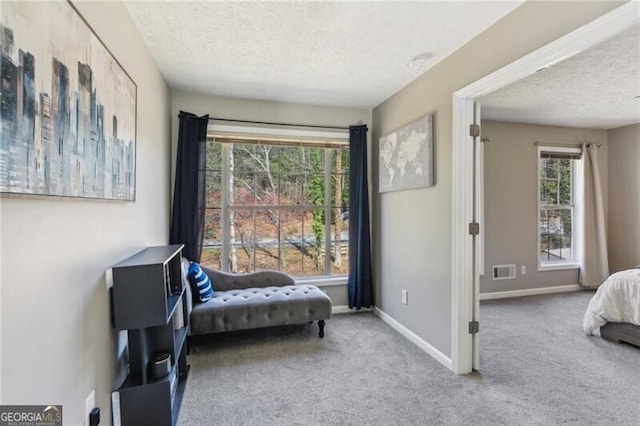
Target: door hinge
point(474, 327)
point(474, 130)
point(474, 228)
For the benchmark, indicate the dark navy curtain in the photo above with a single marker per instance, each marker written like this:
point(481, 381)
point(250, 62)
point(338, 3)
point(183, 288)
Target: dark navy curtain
point(360, 285)
point(187, 218)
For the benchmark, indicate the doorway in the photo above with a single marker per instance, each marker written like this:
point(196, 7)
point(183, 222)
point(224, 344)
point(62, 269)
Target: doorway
point(467, 248)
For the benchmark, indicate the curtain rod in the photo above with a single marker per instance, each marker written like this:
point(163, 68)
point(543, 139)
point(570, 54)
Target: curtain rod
point(278, 124)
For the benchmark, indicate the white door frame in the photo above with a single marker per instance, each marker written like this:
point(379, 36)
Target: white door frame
point(585, 37)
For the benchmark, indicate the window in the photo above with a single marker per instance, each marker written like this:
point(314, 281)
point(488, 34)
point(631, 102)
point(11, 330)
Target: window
point(277, 205)
point(557, 169)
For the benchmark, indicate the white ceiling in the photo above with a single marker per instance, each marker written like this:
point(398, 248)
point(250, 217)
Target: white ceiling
point(326, 53)
point(598, 88)
point(356, 55)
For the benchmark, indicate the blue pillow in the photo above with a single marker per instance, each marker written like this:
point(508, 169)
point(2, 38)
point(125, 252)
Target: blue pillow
point(200, 282)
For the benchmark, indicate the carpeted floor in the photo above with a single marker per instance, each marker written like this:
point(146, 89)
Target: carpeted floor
point(537, 368)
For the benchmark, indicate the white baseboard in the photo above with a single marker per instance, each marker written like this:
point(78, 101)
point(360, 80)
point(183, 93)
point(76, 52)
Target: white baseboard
point(345, 309)
point(530, 292)
point(415, 339)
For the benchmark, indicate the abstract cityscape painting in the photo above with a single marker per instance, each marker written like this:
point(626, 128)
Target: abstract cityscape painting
point(67, 107)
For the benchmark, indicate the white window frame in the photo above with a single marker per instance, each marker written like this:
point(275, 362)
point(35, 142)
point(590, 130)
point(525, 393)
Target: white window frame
point(575, 210)
point(295, 136)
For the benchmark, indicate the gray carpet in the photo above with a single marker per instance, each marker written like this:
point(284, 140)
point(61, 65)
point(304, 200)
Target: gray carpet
point(538, 368)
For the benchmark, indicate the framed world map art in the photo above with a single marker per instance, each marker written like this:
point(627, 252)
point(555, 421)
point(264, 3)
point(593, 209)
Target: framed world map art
point(406, 156)
point(68, 108)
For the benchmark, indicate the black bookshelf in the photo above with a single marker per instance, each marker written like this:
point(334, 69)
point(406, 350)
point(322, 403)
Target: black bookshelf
point(149, 301)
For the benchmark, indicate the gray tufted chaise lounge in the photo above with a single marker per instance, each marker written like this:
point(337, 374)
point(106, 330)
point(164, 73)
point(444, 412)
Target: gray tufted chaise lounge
point(254, 300)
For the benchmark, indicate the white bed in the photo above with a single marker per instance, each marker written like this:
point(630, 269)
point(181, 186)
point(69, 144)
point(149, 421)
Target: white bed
point(616, 304)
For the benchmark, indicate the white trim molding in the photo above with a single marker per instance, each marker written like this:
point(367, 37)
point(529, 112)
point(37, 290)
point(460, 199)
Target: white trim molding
point(574, 206)
point(530, 292)
point(281, 132)
point(558, 266)
point(414, 338)
point(462, 243)
point(585, 37)
point(344, 309)
point(322, 281)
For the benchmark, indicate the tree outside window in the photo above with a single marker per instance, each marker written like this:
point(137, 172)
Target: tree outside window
point(557, 211)
point(277, 206)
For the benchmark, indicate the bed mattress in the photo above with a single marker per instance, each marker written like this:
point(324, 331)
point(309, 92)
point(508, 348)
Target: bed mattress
point(617, 300)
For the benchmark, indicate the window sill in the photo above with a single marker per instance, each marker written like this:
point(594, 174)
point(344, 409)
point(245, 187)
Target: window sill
point(322, 281)
point(558, 267)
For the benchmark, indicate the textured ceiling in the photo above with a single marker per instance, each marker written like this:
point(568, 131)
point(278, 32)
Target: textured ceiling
point(326, 53)
point(598, 88)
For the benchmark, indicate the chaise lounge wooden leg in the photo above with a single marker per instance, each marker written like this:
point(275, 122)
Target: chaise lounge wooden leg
point(321, 328)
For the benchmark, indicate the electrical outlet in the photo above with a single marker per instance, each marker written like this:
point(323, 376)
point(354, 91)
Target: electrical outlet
point(405, 296)
point(89, 403)
point(523, 270)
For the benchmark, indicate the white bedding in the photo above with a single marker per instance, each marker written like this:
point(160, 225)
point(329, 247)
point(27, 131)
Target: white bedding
point(617, 300)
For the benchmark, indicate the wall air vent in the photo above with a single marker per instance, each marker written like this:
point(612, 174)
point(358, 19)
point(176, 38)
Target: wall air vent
point(504, 272)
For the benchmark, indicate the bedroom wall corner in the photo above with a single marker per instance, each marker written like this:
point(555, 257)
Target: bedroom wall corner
point(58, 343)
point(268, 111)
point(511, 187)
point(413, 229)
point(624, 198)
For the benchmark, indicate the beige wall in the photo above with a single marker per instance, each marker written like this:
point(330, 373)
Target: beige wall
point(624, 198)
point(57, 340)
point(511, 188)
point(412, 229)
point(278, 112)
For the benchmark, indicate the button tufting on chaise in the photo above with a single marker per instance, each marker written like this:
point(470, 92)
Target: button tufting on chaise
point(237, 306)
